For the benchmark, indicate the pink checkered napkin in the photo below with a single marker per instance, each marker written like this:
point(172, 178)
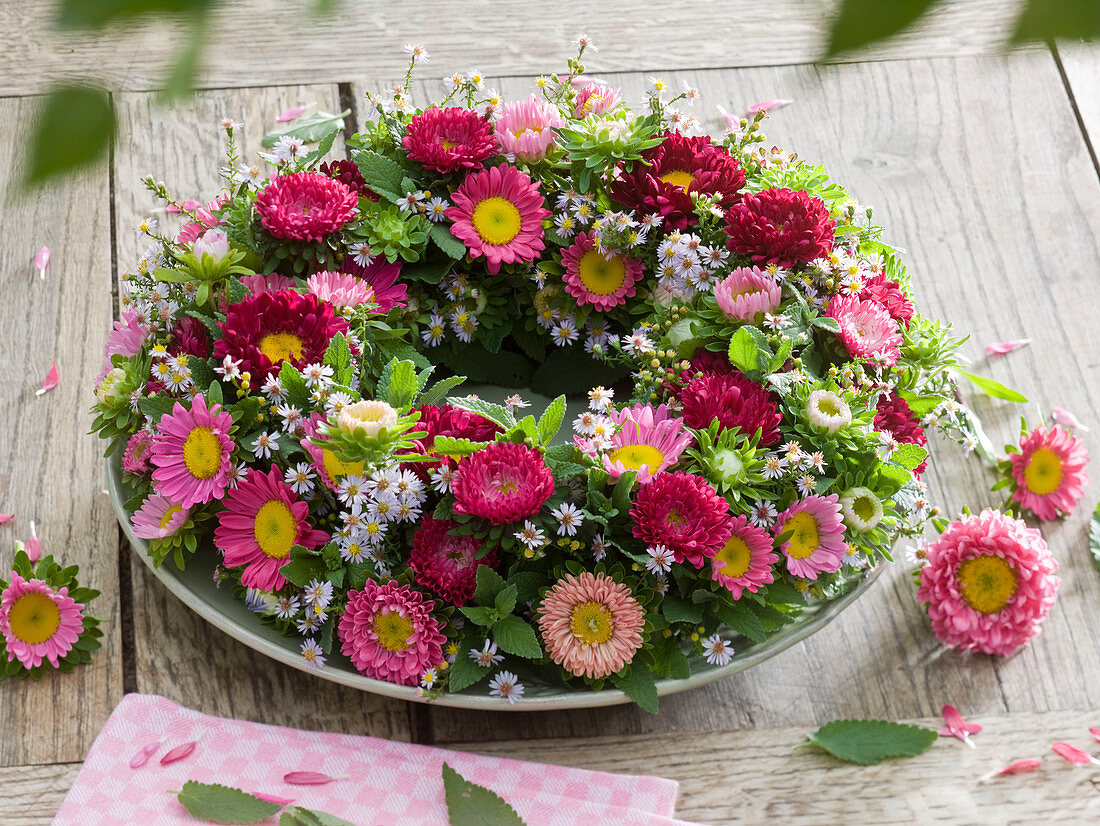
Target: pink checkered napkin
point(388, 784)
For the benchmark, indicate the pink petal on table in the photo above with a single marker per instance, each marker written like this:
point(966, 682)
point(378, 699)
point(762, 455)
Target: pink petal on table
point(768, 105)
point(41, 261)
point(999, 348)
point(1095, 732)
point(50, 382)
point(1066, 419)
point(309, 778)
point(293, 113)
point(178, 753)
point(270, 798)
point(1073, 754)
point(1020, 767)
point(142, 757)
point(957, 727)
point(6, 517)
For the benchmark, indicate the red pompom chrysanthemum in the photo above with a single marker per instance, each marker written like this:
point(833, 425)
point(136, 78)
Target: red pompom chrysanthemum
point(444, 564)
point(780, 226)
point(888, 295)
point(502, 482)
point(684, 513)
point(735, 400)
point(305, 206)
point(449, 139)
point(190, 336)
point(893, 416)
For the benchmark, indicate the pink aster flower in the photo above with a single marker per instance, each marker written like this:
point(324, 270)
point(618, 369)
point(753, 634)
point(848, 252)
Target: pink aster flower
point(127, 336)
point(649, 440)
point(389, 633)
point(262, 521)
point(525, 128)
point(591, 98)
point(273, 283)
point(684, 513)
point(602, 281)
point(305, 206)
point(444, 564)
point(330, 467)
point(191, 453)
point(989, 582)
point(190, 232)
point(382, 278)
point(135, 459)
point(1049, 472)
point(448, 139)
point(591, 624)
point(158, 518)
point(747, 293)
point(339, 289)
point(38, 622)
point(503, 482)
point(498, 215)
point(745, 562)
point(816, 545)
point(866, 328)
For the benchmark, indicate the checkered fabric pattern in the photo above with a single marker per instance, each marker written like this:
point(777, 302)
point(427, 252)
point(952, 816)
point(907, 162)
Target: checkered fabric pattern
point(386, 784)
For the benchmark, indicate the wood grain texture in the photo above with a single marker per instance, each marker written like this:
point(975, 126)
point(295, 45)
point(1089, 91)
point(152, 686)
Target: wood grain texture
point(31, 795)
point(50, 469)
point(269, 42)
point(1081, 64)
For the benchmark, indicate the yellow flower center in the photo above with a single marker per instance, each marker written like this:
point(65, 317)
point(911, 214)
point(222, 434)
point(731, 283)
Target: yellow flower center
point(828, 407)
point(805, 539)
point(864, 508)
point(1043, 473)
point(275, 529)
point(34, 618)
point(392, 630)
point(987, 583)
point(735, 557)
point(536, 129)
point(680, 178)
point(281, 347)
point(449, 144)
point(634, 456)
point(496, 220)
point(202, 453)
point(591, 623)
point(336, 468)
point(168, 514)
point(600, 275)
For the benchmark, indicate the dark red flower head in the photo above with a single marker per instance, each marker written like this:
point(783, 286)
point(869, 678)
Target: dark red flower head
point(450, 421)
point(449, 139)
point(780, 226)
point(447, 565)
point(305, 206)
point(347, 173)
point(735, 400)
point(894, 416)
point(684, 513)
point(190, 336)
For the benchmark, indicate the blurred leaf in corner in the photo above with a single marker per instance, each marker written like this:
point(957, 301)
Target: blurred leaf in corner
point(95, 14)
point(1048, 20)
point(860, 23)
point(75, 127)
point(183, 72)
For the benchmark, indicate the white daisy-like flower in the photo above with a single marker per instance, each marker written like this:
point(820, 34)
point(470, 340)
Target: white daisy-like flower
point(352, 550)
point(442, 478)
point(300, 478)
point(286, 607)
point(435, 208)
point(569, 519)
point(229, 369)
point(352, 490)
point(828, 410)
point(410, 201)
point(564, 332)
point(638, 344)
point(308, 623)
point(384, 508)
point(515, 402)
point(599, 398)
point(273, 389)
point(374, 531)
point(806, 484)
point(417, 52)
point(289, 148)
point(916, 554)
point(487, 655)
point(763, 514)
point(383, 481)
point(585, 423)
point(429, 678)
point(660, 560)
point(318, 593)
point(408, 487)
point(599, 547)
point(312, 654)
point(565, 224)
point(317, 375)
point(433, 333)
point(264, 444)
point(362, 254)
point(717, 650)
point(507, 686)
point(291, 416)
point(236, 474)
point(774, 466)
point(337, 401)
point(531, 536)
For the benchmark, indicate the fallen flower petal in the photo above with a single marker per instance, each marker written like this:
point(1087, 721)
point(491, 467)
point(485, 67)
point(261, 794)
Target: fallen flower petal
point(768, 105)
point(142, 757)
point(1073, 754)
point(6, 517)
point(309, 778)
point(270, 798)
point(178, 753)
point(1095, 732)
point(41, 261)
point(1066, 419)
point(957, 727)
point(999, 348)
point(50, 382)
point(1019, 767)
point(293, 113)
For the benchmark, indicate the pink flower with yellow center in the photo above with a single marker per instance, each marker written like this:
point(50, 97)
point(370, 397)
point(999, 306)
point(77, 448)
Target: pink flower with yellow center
point(602, 281)
point(745, 562)
point(158, 517)
point(498, 215)
point(816, 544)
point(525, 128)
point(989, 582)
point(262, 521)
point(191, 453)
point(1049, 472)
point(590, 98)
point(866, 328)
point(591, 624)
point(746, 294)
point(330, 467)
point(503, 482)
point(38, 623)
point(649, 441)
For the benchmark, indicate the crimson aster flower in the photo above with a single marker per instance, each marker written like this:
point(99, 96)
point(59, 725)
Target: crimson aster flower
point(780, 226)
point(735, 401)
point(305, 206)
point(448, 139)
point(684, 513)
point(446, 565)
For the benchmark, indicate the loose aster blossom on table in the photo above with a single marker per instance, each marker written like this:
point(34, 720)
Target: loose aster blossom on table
point(282, 394)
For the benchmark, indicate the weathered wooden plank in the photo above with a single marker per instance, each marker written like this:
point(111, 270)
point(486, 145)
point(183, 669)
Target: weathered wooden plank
point(273, 42)
point(1081, 64)
point(31, 795)
point(177, 654)
point(50, 469)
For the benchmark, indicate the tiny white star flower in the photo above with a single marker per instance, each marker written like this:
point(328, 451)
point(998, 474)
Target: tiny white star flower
point(273, 389)
point(600, 398)
point(352, 490)
point(417, 52)
point(361, 253)
point(289, 148)
point(312, 654)
point(515, 402)
point(435, 210)
point(300, 478)
point(717, 650)
point(660, 560)
point(774, 466)
point(291, 416)
point(317, 375)
point(531, 535)
point(308, 623)
point(318, 593)
point(352, 550)
point(429, 678)
point(264, 444)
point(564, 332)
point(507, 686)
point(763, 514)
point(442, 478)
point(487, 655)
point(286, 607)
point(230, 368)
point(599, 547)
point(569, 519)
point(235, 474)
point(806, 484)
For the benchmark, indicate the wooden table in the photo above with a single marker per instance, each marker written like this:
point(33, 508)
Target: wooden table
point(981, 165)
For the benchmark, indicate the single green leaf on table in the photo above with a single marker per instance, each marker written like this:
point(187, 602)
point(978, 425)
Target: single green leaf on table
point(94, 14)
point(870, 741)
point(310, 129)
point(991, 387)
point(297, 816)
point(74, 129)
point(860, 23)
point(471, 805)
point(1094, 536)
point(220, 804)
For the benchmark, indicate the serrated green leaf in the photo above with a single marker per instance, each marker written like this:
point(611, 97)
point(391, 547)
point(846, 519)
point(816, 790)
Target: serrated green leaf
point(477, 614)
point(338, 357)
point(493, 412)
point(826, 323)
point(443, 238)
point(640, 686)
point(311, 817)
point(438, 391)
point(677, 610)
point(471, 805)
point(551, 419)
point(870, 741)
point(465, 672)
point(488, 583)
point(505, 601)
point(302, 567)
point(381, 174)
point(515, 636)
point(909, 456)
point(310, 129)
point(402, 387)
point(991, 387)
point(742, 620)
point(221, 804)
point(744, 350)
point(450, 446)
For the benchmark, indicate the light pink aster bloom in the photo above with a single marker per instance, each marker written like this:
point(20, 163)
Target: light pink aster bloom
point(746, 293)
point(745, 562)
point(191, 453)
point(127, 336)
point(267, 283)
point(38, 622)
point(339, 289)
point(525, 128)
point(867, 329)
point(817, 543)
point(649, 440)
point(1050, 472)
point(592, 98)
point(158, 517)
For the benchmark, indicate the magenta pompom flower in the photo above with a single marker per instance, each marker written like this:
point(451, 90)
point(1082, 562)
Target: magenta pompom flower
point(780, 226)
point(262, 521)
point(448, 139)
point(889, 295)
point(684, 513)
point(591, 624)
point(816, 545)
point(735, 401)
point(745, 562)
point(158, 517)
point(135, 459)
point(389, 633)
point(867, 329)
point(746, 294)
point(649, 441)
point(989, 582)
point(191, 453)
point(446, 565)
point(1049, 472)
point(38, 623)
point(305, 206)
point(602, 281)
point(503, 482)
point(525, 128)
point(498, 215)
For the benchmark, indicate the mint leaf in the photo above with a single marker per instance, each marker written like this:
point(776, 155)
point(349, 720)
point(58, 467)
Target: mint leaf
point(909, 456)
point(441, 388)
point(493, 412)
point(402, 387)
point(465, 671)
point(488, 584)
point(991, 387)
point(515, 636)
point(551, 420)
point(222, 804)
point(450, 446)
point(676, 610)
point(338, 357)
point(741, 620)
point(297, 816)
point(870, 741)
point(639, 686)
point(471, 805)
point(310, 129)
point(381, 174)
point(743, 350)
point(447, 242)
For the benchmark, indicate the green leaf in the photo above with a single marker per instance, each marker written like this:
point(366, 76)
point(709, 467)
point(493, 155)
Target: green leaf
point(311, 817)
point(1048, 20)
point(909, 456)
point(471, 805)
point(505, 601)
point(743, 350)
point(338, 357)
point(478, 614)
point(465, 672)
point(302, 567)
point(991, 387)
point(74, 129)
point(515, 636)
point(450, 446)
point(493, 412)
point(894, 477)
point(402, 387)
point(381, 174)
point(222, 804)
point(1094, 537)
point(310, 129)
point(860, 23)
point(640, 686)
point(676, 610)
point(94, 14)
point(438, 391)
point(742, 620)
point(620, 495)
point(824, 322)
point(870, 741)
point(443, 238)
point(324, 146)
point(551, 419)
